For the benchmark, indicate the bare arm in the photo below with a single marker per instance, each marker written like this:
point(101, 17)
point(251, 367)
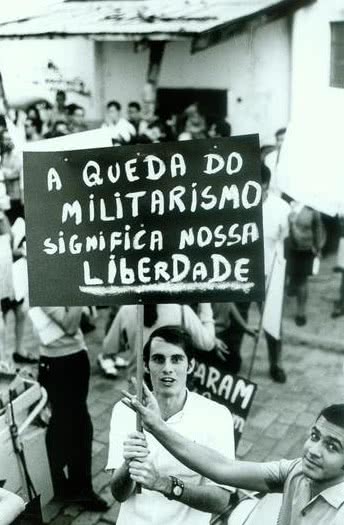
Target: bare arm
point(209, 463)
point(122, 486)
point(240, 320)
point(205, 461)
point(68, 319)
point(202, 328)
point(206, 498)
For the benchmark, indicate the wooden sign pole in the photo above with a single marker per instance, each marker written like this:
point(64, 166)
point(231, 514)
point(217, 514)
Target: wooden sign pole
point(139, 369)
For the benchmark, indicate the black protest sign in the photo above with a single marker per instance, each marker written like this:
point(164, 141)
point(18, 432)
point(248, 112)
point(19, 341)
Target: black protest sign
point(212, 379)
point(173, 222)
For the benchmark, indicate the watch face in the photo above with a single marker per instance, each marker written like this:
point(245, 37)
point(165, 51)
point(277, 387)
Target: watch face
point(177, 491)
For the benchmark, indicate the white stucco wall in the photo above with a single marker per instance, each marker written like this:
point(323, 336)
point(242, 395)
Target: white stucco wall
point(254, 68)
point(23, 65)
point(311, 57)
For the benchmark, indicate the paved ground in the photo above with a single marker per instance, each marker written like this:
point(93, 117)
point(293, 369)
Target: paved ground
point(280, 415)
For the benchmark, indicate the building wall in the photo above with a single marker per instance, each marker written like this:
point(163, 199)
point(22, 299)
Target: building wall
point(254, 68)
point(311, 58)
point(26, 75)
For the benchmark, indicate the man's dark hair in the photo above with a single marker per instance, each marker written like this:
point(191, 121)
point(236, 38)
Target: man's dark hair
point(334, 414)
point(265, 174)
point(72, 108)
point(114, 103)
point(175, 335)
point(223, 128)
point(280, 131)
point(61, 93)
point(135, 105)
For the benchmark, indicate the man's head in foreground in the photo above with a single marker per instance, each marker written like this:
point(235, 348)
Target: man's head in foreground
point(167, 358)
point(323, 457)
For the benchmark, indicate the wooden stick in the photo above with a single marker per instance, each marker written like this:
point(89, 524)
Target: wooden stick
point(139, 369)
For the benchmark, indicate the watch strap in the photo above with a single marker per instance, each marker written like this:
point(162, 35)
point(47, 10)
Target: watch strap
point(177, 488)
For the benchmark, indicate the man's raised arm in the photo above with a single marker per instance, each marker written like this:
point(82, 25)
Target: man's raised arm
point(205, 461)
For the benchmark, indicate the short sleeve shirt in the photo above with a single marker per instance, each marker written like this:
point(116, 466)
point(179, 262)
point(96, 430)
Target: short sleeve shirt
point(298, 506)
point(201, 420)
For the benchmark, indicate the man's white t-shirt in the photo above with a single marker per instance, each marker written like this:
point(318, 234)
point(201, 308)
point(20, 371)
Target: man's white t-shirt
point(123, 129)
point(202, 420)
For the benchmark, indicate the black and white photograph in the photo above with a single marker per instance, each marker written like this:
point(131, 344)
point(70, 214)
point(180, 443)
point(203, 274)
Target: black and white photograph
point(172, 262)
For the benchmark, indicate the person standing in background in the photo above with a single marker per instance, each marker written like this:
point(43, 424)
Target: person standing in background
point(306, 239)
point(64, 371)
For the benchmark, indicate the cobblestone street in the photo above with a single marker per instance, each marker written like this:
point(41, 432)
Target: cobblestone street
point(280, 415)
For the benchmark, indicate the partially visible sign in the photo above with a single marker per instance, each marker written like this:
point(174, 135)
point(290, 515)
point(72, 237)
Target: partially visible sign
point(272, 314)
point(176, 222)
point(211, 379)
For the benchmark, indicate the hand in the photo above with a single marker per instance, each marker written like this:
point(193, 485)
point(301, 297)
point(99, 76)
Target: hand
point(145, 473)
point(149, 410)
point(221, 349)
point(253, 332)
point(135, 447)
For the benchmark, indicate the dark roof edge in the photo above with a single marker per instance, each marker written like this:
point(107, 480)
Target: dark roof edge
point(218, 34)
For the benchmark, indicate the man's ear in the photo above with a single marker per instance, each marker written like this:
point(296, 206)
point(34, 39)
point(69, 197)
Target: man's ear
point(191, 366)
point(145, 368)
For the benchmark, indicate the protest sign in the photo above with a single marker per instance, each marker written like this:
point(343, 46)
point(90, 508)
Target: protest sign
point(272, 314)
point(173, 222)
point(212, 379)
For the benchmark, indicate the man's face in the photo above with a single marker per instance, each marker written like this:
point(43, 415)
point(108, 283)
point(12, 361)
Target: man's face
point(78, 116)
point(168, 368)
point(133, 114)
point(60, 100)
point(323, 455)
point(29, 128)
point(113, 114)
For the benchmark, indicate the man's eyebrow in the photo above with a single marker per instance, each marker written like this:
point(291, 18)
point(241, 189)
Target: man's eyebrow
point(333, 439)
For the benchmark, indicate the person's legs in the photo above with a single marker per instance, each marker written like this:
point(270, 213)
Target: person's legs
point(301, 300)
point(339, 305)
point(80, 425)
point(274, 346)
point(56, 437)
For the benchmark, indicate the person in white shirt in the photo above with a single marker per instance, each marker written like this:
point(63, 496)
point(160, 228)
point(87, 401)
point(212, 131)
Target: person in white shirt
point(171, 493)
point(135, 117)
point(276, 213)
point(271, 160)
point(119, 128)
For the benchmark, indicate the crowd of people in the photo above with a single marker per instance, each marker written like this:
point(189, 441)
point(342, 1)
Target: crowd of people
point(291, 229)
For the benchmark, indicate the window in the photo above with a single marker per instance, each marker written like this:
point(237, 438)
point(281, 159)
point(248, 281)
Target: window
point(337, 55)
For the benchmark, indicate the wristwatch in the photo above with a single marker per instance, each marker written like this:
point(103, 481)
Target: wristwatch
point(177, 488)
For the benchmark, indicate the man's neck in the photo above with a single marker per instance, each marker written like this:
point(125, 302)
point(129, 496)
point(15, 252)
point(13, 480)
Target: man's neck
point(171, 405)
point(320, 486)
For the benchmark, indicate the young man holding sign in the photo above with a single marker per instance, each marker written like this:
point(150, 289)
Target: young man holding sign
point(171, 493)
point(312, 486)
